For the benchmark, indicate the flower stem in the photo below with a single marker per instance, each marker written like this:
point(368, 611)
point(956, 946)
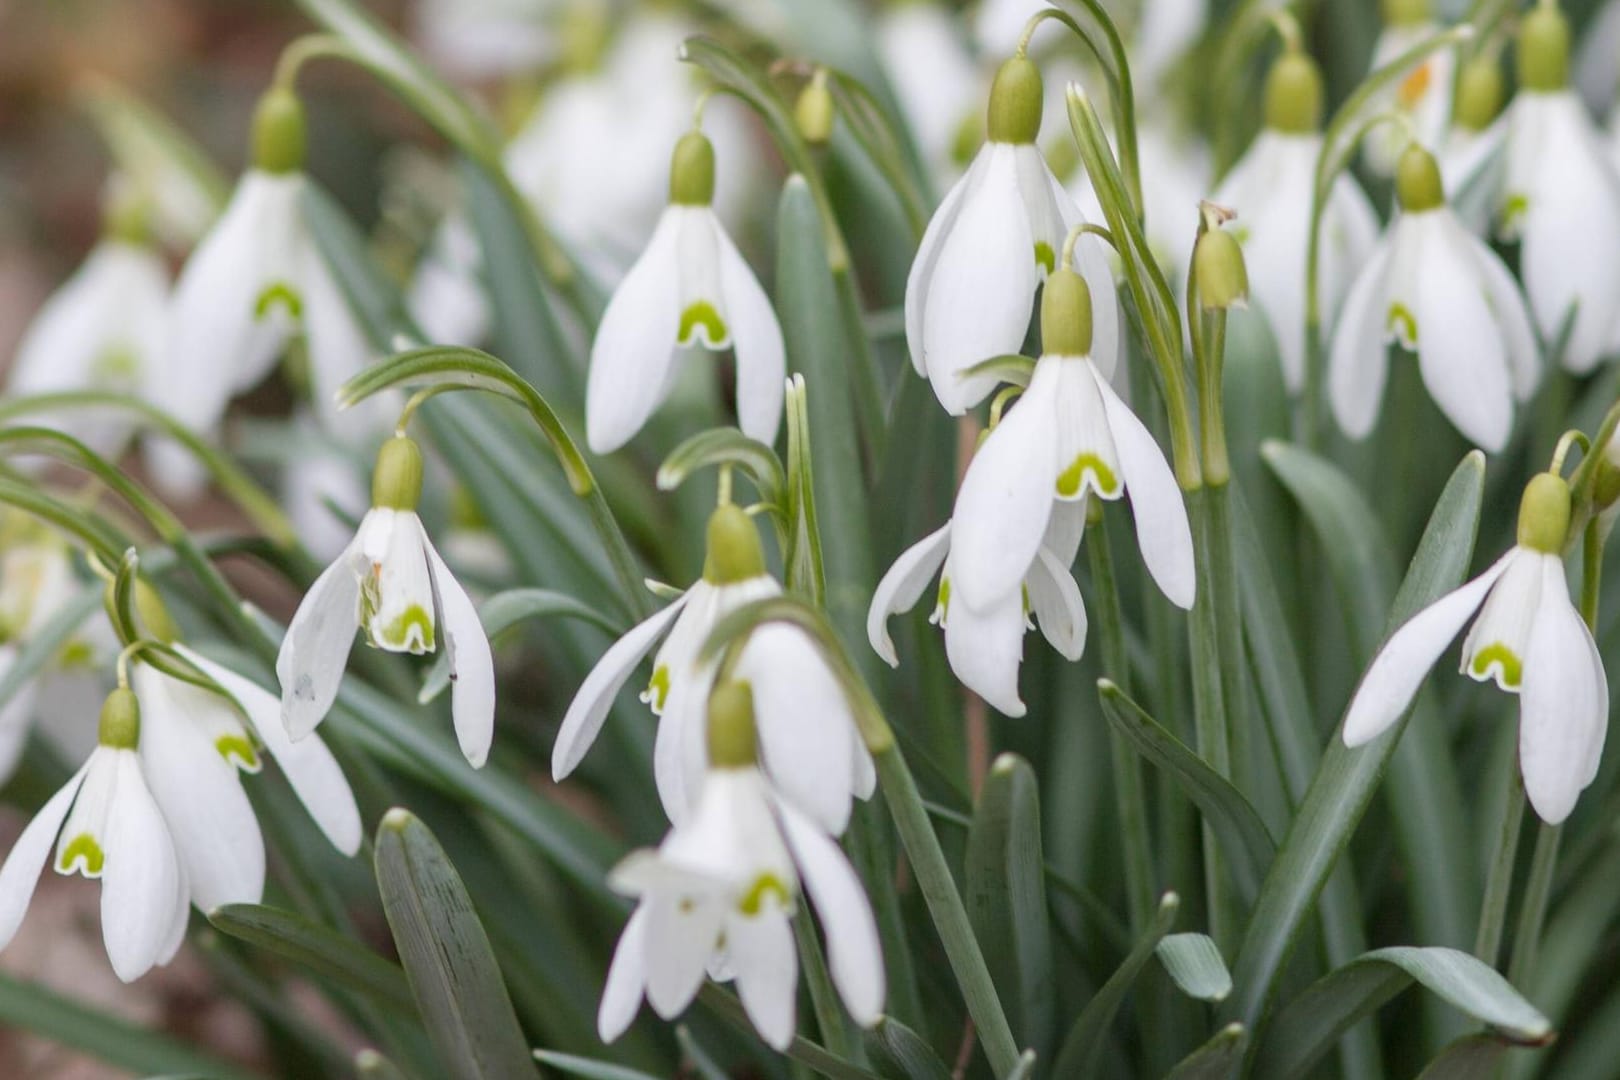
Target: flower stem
point(1209, 704)
point(823, 998)
point(1499, 885)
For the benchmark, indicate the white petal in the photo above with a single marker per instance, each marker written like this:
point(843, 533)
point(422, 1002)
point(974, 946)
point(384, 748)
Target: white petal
point(1055, 600)
point(1401, 665)
point(804, 722)
point(1564, 708)
point(680, 938)
point(397, 597)
point(16, 716)
point(1006, 497)
point(635, 344)
point(903, 586)
point(313, 772)
point(985, 647)
point(1460, 350)
point(472, 668)
point(337, 345)
point(1065, 530)
point(626, 979)
point(1512, 317)
point(761, 952)
point(21, 871)
point(756, 337)
point(680, 749)
point(1107, 346)
point(141, 876)
point(983, 286)
point(591, 703)
point(316, 648)
point(1359, 364)
point(1087, 460)
point(854, 953)
point(921, 274)
point(1162, 531)
point(1499, 641)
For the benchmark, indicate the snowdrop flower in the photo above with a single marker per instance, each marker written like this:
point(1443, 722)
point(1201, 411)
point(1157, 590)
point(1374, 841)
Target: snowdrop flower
point(1271, 191)
point(986, 647)
point(1445, 295)
point(105, 824)
point(1470, 157)
point(1070, 435)
point(102, 330)
point(254, 282)
point(690, 288)
point(36, 583)
point(935, 79)
point(1529, 639)
point(991, 242)
point(717, 895)
point(808, 739)
point(1561, 200)
point(1422, 96)
point(392, 582)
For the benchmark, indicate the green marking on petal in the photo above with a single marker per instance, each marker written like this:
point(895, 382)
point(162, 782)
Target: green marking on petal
point(766, 884)
point(944, 605)
point(1513, 212)
point(411, 631)
point(1045, 256)
point(702, 314)
point(239, 751)
point(76, 654)
point(118, 364)
point(279, 293)
point(1070, 481)
point(82, 854)
point(1509, 669)
point(658, 688)
point(1404, 323)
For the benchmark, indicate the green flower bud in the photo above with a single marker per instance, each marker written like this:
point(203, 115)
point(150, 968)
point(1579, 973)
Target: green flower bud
point(1479, 93)
point(278, 132)
point(1544, 514)
point(733, 742)
point(813, 112)
point(1417, 180)
point(1015, 102)
point(1223, 276)
point(1544, 49)
point(734, 550)
point(120, 721)
point(396, 484)
point(1407, 12)
point(1294, 94)
point(154, 614)
point(691, 171)
point(1066, 314)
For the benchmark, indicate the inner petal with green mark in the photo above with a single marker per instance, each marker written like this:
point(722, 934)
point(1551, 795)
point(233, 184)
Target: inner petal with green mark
point(702, 314)
point(767, 884)
point(278, 294)
point(1403, 324)
point(84, 855)
point(238, 750)
point(1497, 661)
point(657, 688)
point(1045, 256)
point(409, 631)
point(1072, 480)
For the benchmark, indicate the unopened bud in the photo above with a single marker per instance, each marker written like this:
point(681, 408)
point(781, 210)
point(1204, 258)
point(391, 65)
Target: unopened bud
point(734, 551)
point(1015, 102)
point(1066, 314)
point(1294, 94)
point(154, 614)
point(691, 171)
point(1544, 49)
point(1479, 93)
point(1222, 275)
point(1417, 181)
point(278, 132)
point(813, 112)
point(733, 742)
point(120, 727)
point(396, 484)
point(1407, 12)
point(1544, 514)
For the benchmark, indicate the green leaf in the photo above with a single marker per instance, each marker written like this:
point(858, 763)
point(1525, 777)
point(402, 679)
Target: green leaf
point(587, 1068)
point(318, 948)
point(1196, 966)
point(899, 1051)
point(1313, 1021)
point(1080, 1047)
point(505, 610)
point(1217, 1059)
point(869, 123)
point(725, 1005)
point(805, 569)
point(26, 1006)
point(1467, 1058)
point(1004, 887)
point(1343, 786)
point(726, 446)
point(451, 968)
point(1241, 833)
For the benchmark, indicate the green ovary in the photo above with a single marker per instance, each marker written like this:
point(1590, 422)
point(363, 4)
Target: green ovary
point(238, 750)
point(1103, 479)
point(411, 631)
point(1505, 660)
point(1045, 256)
point(1404, 323)
point(278, 293)
point(83, 849)
point(702, 314)
point(658, 688)
point(764, 885)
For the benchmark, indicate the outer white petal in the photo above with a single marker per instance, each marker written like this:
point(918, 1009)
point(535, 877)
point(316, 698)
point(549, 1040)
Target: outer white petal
point(21, 871)
point(1359, 364)
point(626, 979)
point(766, 966)
point(1065, 530)
point(210, 820)
point(1564, 706)
point(983, 286)
point(313, 772)
point(1460, 350)
point(756, 337)
point(680, 938)
point(804, 722)
point(854, 953)
point(680, 748)
point(634, 350)
point(141, 877)
point(1162, 531)
point(903, 586)
point(316, 648)
point(1350, 232)
point(985, 647)
point(921, 275)
point(472, 667)
point(1401, 665)
point(591, 703)
point(1006, 497)
point(1107, 346)
point(1512, 317)
point(1054, 598)
point(337, 345)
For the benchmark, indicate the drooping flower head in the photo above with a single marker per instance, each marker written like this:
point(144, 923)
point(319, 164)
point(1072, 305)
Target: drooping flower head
point(393, 584)
point(717, 895)
point(690, 290)
point(1527, 638)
